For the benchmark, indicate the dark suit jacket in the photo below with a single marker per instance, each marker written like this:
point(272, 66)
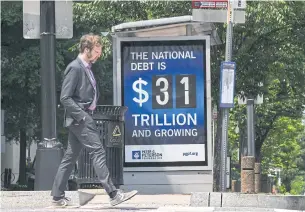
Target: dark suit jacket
point(77, 92)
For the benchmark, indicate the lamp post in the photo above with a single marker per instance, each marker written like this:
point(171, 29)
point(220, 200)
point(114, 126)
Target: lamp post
point(251, 171)
point(250, 102)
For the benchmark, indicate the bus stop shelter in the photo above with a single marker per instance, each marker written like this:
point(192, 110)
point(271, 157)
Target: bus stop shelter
point(164, 180)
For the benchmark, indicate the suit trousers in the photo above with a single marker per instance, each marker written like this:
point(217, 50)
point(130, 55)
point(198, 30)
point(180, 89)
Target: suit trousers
point(83, 134)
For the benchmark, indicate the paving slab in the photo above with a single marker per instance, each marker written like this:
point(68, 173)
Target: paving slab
point(290, 202)
point(215, 199)
point(200, 199)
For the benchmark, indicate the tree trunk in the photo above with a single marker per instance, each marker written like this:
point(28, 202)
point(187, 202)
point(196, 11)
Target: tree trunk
point(22, 160)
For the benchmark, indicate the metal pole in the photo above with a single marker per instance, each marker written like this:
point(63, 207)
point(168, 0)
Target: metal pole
point(225, 111)
point(214, 123)
point(250, 127)
point(49, 152)
point(47, 58)
point(114, 70)
point(213, 136)
point(253, 132)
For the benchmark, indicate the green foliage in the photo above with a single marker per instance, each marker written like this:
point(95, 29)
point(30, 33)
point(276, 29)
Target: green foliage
point(298, 185)
point(282, 189)
point(10, 13)
point(282, 149)
point(282, 146)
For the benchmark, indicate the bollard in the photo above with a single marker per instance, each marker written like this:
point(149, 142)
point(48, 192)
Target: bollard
point(5, 178)
point(247, 174)
point(9, 177)
point(46, 164)
point(265, 188)
point(257, 177)
point(234, 185)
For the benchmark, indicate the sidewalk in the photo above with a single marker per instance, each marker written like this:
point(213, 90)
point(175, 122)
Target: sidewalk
point(30, 201)
point(41, 201)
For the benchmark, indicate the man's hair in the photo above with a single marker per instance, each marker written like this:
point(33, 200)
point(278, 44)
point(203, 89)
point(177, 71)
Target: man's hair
point(89, 41)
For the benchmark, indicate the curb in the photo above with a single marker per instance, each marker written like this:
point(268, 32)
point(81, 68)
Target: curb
point(183, 209)
point(214, 199)
point(226, 209)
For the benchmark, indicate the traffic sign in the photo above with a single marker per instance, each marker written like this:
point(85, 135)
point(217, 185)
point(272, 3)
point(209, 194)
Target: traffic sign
point(209, 4)
point(227, 84)
point(204, 4)
point(217, 16)
point(216, 11)
point(239, 4)
point(63, 19)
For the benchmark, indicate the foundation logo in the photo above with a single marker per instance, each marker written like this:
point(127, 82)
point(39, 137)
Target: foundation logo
point(146, 155)
point(136, 155)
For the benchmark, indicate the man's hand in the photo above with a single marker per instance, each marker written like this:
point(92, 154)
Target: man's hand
point(67, 91)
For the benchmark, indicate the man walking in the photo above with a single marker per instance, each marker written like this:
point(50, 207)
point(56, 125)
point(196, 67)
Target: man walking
point(79, 96)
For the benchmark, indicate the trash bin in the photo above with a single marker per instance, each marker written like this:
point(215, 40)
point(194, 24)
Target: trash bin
point(110, 123)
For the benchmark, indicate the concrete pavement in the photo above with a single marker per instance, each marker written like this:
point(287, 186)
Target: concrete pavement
point(147, 209)
point(41, 201)
point(261, 200)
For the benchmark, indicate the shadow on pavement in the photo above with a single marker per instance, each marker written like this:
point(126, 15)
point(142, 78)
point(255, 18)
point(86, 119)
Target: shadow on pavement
point(124, 208)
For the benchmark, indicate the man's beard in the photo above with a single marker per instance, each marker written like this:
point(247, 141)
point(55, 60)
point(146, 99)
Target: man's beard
point(90, 58)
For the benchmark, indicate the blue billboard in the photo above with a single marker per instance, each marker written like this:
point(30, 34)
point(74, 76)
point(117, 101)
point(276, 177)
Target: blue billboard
point(163, 86)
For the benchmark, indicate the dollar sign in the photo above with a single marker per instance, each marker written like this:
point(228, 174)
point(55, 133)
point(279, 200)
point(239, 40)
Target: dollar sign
point(137, 87)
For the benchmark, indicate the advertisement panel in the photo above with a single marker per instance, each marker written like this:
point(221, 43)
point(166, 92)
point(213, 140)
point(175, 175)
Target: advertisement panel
point(164, 88)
